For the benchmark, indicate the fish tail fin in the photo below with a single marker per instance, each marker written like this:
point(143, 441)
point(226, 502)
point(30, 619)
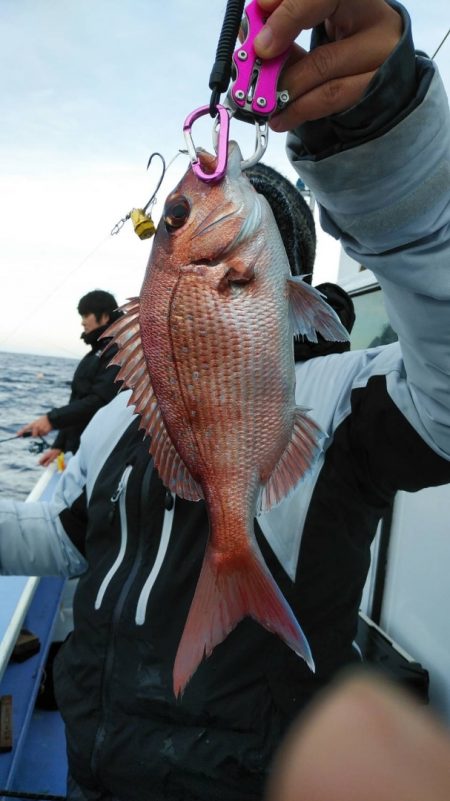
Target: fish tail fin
point(222, 598)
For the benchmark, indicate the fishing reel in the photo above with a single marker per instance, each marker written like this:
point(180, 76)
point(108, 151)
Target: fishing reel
point(34, 447)
point(38, 447)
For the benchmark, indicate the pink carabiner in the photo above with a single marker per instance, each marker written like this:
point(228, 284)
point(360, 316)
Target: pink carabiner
point(222, 143)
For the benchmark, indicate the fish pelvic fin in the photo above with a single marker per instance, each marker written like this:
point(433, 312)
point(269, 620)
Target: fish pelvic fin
point(310, 313)
point(223, 597)
point(126, 334)
point(295, 461)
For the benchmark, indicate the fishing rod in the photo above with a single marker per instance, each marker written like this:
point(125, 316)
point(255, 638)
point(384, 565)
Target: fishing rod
point(35, 447)
point(16, 436)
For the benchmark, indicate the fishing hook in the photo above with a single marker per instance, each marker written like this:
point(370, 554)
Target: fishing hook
point(153, 197)
point(143, 210)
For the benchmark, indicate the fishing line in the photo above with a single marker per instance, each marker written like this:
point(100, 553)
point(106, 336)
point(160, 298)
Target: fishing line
point(439, 47)
point(55, 290)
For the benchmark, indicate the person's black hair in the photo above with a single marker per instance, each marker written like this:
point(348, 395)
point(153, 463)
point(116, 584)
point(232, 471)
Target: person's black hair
point(99, 302)
point(340, 301)
point(292, 215)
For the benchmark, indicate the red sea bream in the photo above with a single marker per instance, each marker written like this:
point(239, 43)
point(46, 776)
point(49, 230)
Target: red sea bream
point(207, 350)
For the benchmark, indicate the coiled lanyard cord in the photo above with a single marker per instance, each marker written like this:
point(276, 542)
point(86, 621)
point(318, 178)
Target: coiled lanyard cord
point(221, 71)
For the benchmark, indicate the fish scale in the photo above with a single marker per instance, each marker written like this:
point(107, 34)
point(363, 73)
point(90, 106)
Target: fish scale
point(213, 400)
point(229, 385)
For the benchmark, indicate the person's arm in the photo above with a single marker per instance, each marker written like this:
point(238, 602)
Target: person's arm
point(357, 39)
point(33, 538)
point(37, 428)
point(387, 200)
point(42, 539)
point(390, 96)
point(49, 456)
point(60, 441)
point(80, 411)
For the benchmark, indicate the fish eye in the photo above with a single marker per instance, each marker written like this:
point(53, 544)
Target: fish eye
point(176, 212)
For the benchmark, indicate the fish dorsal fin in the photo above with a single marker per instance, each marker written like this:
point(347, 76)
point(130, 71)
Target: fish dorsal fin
point(294, 462)
point(126, 334)
point(310, 313)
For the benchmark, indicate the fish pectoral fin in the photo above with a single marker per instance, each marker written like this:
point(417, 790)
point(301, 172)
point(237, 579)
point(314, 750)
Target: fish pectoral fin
point(125, 333)
point(222, 599)
point(310, 313)
point(295, 461)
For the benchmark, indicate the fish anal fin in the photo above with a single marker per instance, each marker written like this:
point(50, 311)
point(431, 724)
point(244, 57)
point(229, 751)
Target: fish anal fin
point(294, 462)
point(310, 313)
point(223, 597)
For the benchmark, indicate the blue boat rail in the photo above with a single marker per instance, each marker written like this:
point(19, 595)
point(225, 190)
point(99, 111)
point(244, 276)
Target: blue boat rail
point(33, 764)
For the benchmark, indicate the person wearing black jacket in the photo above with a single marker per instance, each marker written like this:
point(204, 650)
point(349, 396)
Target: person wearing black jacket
point(92, 384)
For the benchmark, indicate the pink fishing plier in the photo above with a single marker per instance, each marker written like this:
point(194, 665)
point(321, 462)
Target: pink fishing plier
point(252, 97)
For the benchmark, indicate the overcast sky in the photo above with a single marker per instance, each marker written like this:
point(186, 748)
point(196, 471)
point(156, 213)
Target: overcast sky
point(90, 88)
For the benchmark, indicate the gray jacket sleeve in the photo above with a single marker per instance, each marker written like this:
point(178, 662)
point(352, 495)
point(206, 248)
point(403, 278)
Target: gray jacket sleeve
point(388, 201)
point(32, 539)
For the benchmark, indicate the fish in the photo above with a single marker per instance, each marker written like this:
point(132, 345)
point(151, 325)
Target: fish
point(207, 350)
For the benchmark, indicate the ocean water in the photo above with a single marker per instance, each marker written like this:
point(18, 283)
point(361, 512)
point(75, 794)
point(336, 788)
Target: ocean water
point(29, 387)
